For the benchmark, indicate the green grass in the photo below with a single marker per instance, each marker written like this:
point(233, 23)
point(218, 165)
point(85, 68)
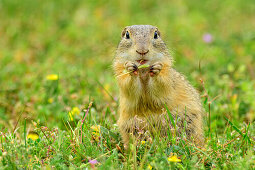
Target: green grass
point(76, 40)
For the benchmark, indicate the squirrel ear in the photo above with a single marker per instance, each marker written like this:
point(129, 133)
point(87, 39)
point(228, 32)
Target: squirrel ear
point(124, 32)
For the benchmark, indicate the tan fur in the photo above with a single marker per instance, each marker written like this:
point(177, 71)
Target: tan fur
point(144, 94)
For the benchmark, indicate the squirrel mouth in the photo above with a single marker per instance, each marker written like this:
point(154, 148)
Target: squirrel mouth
point(142, 61)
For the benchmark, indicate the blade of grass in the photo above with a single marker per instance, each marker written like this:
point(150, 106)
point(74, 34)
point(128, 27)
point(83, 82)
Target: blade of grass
point(246, 134)
point(82, 122)
point(234, 127)
point(204, 154)
point(170, 116)
point(25, 133)
point(18, 119)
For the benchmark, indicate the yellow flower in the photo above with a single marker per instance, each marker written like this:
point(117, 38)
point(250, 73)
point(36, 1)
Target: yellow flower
point(50, 100)
point(73, 112)
point(95, 133)
point(149, 167)
point(173, 159)
point(95, 128)
point(143, 142)
point(33, 135)
point(52, 77)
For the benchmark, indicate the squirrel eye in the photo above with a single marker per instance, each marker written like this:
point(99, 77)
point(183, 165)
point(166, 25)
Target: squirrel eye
point(127, 35)
point(155, 35)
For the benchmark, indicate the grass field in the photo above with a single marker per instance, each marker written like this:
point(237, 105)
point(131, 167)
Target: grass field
point(57, 82)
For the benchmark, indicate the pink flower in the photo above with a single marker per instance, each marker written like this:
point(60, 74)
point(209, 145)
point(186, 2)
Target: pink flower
point(207, 38)
point(93, 162)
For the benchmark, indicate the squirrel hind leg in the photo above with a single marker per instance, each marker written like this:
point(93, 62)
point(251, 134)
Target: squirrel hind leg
point(195, 135)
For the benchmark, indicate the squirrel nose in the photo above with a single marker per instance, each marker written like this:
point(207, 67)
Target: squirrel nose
point(142, 51)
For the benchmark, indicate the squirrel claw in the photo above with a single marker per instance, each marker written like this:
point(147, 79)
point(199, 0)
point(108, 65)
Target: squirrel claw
point(155, 68)
point(131, 67)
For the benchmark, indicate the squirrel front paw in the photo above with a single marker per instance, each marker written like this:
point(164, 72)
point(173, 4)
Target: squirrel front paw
point(156, 68)
point(131, 67)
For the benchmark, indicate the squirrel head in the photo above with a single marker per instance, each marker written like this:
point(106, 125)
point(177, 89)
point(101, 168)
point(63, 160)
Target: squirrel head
point(142, 44)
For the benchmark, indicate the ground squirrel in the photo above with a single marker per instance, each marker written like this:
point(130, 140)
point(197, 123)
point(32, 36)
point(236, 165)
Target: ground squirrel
point(148, 84)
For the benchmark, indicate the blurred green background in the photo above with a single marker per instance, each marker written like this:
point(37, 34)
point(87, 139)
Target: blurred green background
point(211, 40)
